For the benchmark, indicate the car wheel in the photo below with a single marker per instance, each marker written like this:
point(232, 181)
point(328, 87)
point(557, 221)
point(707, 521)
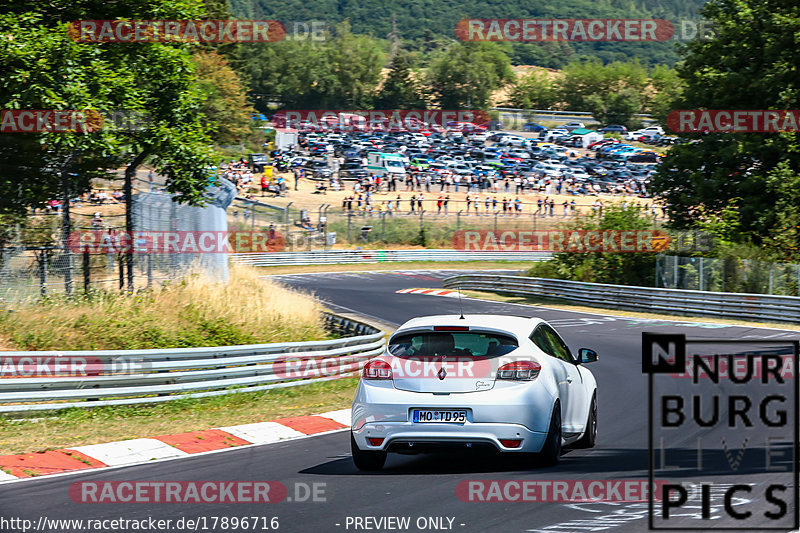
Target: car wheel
point(590, 435)
point(551, 451)
point(366, 459)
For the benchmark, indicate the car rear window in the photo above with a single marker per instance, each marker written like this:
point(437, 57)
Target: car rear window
point(463, 344)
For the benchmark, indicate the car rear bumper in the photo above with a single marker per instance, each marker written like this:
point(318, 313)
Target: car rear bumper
point(408, 437)
point(513, 411)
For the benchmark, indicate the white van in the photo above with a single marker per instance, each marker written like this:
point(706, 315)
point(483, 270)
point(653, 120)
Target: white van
point(383, 164)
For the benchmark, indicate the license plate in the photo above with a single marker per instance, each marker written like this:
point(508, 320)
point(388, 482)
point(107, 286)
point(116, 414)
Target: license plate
point(452, 416)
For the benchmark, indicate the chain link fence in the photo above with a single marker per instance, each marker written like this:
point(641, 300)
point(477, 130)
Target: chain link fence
point(39, 258)
point(727, 275)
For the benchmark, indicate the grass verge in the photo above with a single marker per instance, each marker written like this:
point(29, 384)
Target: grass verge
point(75, 427)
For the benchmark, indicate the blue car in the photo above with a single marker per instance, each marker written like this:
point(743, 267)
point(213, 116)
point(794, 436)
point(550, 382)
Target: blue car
point(533, 126)
point(613, 128)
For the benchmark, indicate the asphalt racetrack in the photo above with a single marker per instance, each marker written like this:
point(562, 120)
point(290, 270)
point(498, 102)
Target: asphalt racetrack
point(423, 488)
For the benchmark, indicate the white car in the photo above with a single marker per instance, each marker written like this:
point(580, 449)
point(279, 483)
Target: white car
point(569, 126)
point(653, 129)
point(577, 174)
point(505, 383)
point(512, 140)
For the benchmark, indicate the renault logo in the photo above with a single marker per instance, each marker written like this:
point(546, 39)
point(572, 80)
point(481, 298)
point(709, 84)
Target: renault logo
point(442, 373)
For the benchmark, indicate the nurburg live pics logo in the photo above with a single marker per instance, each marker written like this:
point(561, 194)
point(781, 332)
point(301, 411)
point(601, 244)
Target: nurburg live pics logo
point(730, 431)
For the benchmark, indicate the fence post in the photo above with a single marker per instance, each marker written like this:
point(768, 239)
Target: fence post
point(149, 270)
point(87, 276)
point(383, 226)
point(770, 277)
point(495, 223)
point(798, 279)
point(43, 273)
point(122, 271)
point(458, 227)
point(349, 223)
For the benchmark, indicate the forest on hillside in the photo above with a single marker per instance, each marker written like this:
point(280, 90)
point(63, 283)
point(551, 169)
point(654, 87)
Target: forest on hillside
point(427, 25)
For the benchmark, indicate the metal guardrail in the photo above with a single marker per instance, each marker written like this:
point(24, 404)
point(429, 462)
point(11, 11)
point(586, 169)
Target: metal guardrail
point(672, 301)
point(125, 377)
point(316, 257)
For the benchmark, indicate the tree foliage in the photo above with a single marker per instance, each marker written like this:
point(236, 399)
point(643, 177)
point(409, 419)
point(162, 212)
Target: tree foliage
point(401, 89)
point(340, 72)
point(464, 75)
point(623, 268)
point(750, 63)
point(44, 69)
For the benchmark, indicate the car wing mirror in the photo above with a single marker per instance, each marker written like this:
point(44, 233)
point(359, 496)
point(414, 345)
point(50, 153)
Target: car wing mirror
point(586, 355)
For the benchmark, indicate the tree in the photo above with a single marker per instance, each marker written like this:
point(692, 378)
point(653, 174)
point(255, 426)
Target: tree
point(534, 91)
point(225, 107)
point(625, 268)
point(750, 63)
point(465, 75)
point(351, 69)
point(617, 107)
point(667, 87)
point(612, 91)
point(400, 90)
point(341, 72)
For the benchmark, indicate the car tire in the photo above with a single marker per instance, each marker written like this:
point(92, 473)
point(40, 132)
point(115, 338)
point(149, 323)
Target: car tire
point(369, 460)
point(590, 435)
point(551, 451)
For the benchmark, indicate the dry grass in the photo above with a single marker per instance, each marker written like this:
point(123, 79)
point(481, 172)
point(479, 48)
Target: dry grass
point(195, 312)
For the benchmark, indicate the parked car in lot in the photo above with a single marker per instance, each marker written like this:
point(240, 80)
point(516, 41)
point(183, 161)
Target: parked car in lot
point(576, 173)
point(613, 128)
point(644, 157)
point(569, 126)
point(506, 383)
point(533, 126)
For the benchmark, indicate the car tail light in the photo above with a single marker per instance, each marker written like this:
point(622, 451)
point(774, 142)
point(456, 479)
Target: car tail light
point(377, 369)
point(375, 441)
point(509, 443)
point(519, 370)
